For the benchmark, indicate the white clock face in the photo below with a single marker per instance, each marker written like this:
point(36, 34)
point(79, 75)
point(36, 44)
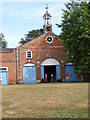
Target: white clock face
point(49, 39)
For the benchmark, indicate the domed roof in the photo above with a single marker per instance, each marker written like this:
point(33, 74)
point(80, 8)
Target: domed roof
point(47, 15)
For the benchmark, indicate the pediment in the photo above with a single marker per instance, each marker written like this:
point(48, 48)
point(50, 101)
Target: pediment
point(41, 41)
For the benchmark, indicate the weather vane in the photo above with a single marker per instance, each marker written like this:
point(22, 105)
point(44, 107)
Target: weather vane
point(46, 8)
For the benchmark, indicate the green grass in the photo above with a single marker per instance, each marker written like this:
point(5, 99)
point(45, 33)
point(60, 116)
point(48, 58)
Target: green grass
point(62, 100)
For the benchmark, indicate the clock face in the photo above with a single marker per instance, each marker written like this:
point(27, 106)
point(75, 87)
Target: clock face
point(49, 39)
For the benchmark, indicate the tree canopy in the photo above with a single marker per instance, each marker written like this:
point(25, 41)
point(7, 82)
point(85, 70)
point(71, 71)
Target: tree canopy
point(76, 34)
point(3, 43)
point(31, 35)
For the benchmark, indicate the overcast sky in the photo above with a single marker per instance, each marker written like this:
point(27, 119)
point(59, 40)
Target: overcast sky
point(19, 17)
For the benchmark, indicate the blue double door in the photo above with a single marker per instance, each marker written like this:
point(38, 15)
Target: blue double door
point(54, 69)
point(71, 71)
point(29, 74)
point(4, 77)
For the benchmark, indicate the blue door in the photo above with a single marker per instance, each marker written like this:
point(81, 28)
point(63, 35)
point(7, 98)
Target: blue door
point(29, 74)
point(4, 77)
point(42, 72)
point(57, 72)
point(72, 75)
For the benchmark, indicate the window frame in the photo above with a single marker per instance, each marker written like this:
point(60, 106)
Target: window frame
point(3, 68)
point(27, 55)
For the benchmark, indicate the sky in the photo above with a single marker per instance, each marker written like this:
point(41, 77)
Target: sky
point(19, 17)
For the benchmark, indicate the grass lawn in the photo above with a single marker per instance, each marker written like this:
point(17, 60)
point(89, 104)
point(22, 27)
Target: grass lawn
point(60, 100)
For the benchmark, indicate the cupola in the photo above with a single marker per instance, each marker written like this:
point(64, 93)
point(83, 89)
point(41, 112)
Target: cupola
point(47, 21)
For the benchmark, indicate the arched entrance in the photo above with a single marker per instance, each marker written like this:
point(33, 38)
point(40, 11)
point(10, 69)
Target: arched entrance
point(50, 66)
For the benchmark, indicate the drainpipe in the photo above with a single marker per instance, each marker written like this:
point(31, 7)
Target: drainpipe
point(17, 65)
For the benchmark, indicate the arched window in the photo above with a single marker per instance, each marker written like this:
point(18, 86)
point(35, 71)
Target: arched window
point(28, 54)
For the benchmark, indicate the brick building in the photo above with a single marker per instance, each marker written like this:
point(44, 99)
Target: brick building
point(30, 62)
point(8, 65)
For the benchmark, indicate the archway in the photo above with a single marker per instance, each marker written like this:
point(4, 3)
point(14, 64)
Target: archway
point(50, 66)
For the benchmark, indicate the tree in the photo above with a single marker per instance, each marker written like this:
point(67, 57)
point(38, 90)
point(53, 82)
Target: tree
point(76, 34)
point(3, 43)
point(31, 35)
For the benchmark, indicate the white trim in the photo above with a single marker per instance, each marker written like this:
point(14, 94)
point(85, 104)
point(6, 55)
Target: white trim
point(47, 41)
point(29, 64)
point(26, 54)
point(69, 63)
point(4, 67)
point(50, 61)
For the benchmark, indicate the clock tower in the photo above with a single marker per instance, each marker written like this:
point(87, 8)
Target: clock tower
point(47, 27)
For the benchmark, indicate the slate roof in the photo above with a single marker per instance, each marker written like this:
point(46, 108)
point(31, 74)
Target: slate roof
point(6, 49)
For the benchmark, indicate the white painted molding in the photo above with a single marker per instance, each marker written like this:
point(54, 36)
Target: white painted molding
point(4, 67)
point(50, 61)
point(69, 63)
point(29, 64)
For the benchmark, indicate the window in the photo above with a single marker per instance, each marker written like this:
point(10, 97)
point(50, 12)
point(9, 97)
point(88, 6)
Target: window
point(49, 39)
point(3, 68)
point(28, 54)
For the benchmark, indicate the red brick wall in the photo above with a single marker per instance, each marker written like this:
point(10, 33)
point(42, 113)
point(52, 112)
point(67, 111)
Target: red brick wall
point(9, 60)
point(41, 50)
